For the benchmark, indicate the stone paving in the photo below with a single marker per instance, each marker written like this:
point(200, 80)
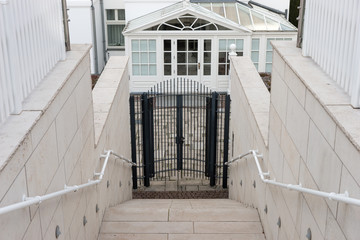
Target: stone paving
point(181, 219)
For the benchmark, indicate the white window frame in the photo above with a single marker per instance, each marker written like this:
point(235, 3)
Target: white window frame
point(227, 62)
point(113, 22)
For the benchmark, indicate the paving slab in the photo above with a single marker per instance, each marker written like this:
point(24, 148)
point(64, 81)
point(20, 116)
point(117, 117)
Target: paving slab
point(136, 214)
point(133, 237)
point(216, 237)
point(147, 227)
point(227, 227)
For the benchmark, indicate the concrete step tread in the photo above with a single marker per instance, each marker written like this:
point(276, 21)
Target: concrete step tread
point(222, 236)
point(181, 227)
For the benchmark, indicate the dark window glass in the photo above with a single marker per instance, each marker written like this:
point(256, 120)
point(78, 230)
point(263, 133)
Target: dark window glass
point(115, 37)
point(167, 70)
point(207, 70)
point(167, 57)
point(192, 57)
point(193, 45)
point(207, 57)
point(181, 45)
point(110, 14)
point(222, 68)
point(192, 70)
point(181, 57)
point(121, 14)
point(222, 57)
point(181, 69)
point(207, 45)
point(167, 45)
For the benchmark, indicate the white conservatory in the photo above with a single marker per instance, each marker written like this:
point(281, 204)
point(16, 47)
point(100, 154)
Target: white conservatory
point(192, 39)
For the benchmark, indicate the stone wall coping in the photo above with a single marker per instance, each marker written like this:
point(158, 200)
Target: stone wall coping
point(329, 94)
point(106, 89)
point(257, 95)
point(16, 129)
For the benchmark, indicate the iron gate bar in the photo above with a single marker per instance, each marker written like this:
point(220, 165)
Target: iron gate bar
point(151, 124)
point(213, 134)
point(146, 135)
point(226, 139)
point(207, 151)
point(133, 140)
point(179, 132)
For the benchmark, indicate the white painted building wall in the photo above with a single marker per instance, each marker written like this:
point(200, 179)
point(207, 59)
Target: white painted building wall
point(82, 30)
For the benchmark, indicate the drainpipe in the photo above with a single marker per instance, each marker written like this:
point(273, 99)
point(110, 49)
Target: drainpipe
point(103, 28)
point(94, 37)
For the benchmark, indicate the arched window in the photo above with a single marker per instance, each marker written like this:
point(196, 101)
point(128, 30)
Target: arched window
point(187, 23)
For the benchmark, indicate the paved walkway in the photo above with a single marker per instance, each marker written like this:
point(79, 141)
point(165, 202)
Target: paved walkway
point(177, 219)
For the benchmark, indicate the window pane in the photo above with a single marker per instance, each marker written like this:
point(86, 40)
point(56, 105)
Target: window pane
point(152, 45)
point(255, 44)
point(207, 70)
point(207, 57)
point(192, 70)
point(152, 70)
point(239, 54)
point(193, 45)
point(121, 14)
point(167, 45)
point(136, 70)
point(256, 66)
point(167, 57)
point(222, 57)
point(152, 57)
point(115, 37)
point(222, 45)
point(135, 45)
point(143, 45)
point(135, 58)
point(192, 57)
point(268, 67)
point(268, 45)
point(144, 70)
point(181, 45)
point(181, 57)
point(167, 70)
point(110, 14)
point(255, 57)
point(144, 57)
point(221, 69)
point(239, 45)
point(218, 8)
point(181, 69)
point(269, 57)
point(207, 45)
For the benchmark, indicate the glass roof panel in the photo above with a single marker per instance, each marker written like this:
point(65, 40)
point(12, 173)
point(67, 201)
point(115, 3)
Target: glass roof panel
point(218, 8)
point(244, 16)
point(272, 25)
point(259, 21)
point(251, 17)
point(230, 9)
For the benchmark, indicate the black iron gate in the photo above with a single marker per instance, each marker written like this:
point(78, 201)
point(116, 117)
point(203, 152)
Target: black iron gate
point(179, 129)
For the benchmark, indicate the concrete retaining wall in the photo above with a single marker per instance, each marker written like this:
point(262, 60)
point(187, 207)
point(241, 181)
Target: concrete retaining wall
point(308, 134)
point(56, 141)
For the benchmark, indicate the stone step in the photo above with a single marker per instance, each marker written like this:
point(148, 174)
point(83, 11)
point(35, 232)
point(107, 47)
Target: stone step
point(180, 219)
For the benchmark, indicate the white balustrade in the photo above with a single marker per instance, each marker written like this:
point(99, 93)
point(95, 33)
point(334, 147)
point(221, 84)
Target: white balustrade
point(31, 43)
point(332, 39)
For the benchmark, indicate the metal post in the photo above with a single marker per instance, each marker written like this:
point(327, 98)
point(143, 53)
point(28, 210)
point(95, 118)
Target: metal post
point(207, 144)
point(66, 25)
point(300, 19)
point(146, 136)
point(213, 135)
point(133, 140)
point(151, 135)
point(179, 131)
point(226, 139)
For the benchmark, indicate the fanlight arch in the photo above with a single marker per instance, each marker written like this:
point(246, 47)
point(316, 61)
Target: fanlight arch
point(187, 23)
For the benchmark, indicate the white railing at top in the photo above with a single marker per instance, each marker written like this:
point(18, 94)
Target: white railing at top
point(31, 43)
point(265, 178)
point(28, 201)
point(332, 39)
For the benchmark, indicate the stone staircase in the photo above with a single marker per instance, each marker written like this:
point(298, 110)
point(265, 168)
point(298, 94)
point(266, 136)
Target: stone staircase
point(181, 219)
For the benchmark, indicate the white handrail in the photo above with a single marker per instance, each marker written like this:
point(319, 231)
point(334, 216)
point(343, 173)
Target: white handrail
point(342, 197)
point(28, 201)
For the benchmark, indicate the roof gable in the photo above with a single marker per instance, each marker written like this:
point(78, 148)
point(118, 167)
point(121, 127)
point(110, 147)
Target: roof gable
point(178, 10)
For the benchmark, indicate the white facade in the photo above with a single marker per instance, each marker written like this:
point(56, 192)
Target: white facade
point(153, 40)
point(86, 27)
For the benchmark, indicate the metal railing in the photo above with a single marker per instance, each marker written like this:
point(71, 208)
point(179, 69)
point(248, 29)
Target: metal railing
point(332, 39)
point(264, 176)
point(28, 201)
point(31, 43)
